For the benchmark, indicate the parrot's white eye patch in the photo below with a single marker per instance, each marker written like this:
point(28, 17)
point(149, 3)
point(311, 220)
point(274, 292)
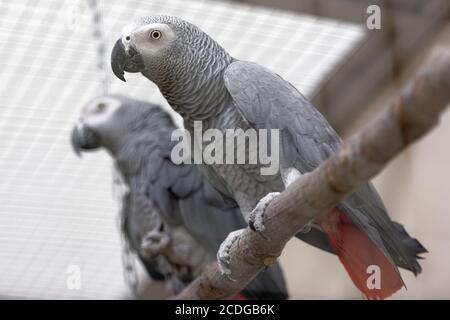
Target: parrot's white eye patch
point(100, 111)
point(149, 39)
point(156, 34)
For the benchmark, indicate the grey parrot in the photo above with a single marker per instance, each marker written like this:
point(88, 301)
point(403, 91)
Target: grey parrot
point(173, 219)
point(203, 82)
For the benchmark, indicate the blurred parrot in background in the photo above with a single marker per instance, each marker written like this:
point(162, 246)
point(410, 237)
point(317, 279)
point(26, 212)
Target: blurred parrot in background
point(203, 82)
point(173, 219)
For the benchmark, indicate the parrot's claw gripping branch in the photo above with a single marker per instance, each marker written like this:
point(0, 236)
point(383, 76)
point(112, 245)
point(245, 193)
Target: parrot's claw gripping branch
point(154, 243)
point(414, 113)
point(223, 255)
point(257, 216)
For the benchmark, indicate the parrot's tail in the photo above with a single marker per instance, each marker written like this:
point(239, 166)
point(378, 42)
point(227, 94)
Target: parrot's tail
point(372, 273)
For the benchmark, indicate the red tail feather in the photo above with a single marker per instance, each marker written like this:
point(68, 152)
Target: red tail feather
point(357, 252)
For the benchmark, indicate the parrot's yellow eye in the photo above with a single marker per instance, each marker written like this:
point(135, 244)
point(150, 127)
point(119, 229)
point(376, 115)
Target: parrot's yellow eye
point(156, 34)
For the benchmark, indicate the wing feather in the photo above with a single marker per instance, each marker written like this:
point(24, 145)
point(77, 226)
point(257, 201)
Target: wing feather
point(267, 101)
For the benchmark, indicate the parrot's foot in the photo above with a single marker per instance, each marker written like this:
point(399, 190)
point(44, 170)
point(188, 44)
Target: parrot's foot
point(223, 255)
point(256, 219)
point(154, 242)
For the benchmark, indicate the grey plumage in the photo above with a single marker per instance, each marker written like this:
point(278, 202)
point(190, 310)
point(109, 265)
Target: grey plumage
point(304, 128)
point(201, 81)
point(171, 203)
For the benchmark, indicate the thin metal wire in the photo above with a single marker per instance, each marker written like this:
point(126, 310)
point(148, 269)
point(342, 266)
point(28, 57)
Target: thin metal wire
point(128, 260)
point(97, 22)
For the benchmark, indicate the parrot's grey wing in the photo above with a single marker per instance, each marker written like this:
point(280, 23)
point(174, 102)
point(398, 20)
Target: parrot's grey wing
point(267, 101)
point(202, 210)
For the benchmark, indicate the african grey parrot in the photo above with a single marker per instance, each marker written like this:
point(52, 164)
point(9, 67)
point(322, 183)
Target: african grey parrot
point(203, 82)
point(174, 220)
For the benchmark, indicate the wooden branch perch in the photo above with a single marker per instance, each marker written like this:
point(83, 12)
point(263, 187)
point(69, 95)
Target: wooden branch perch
point(362, 157)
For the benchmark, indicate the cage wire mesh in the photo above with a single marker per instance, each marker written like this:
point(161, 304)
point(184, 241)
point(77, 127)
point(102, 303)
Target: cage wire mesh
point(57, 211)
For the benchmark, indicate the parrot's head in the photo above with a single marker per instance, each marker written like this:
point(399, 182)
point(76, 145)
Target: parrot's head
point(167, 50)
point(112, 121)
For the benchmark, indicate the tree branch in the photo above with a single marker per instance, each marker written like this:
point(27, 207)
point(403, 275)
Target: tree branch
point(362, 157)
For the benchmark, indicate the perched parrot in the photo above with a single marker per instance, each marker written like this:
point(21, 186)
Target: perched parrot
point(203, 82)
point(173, 219)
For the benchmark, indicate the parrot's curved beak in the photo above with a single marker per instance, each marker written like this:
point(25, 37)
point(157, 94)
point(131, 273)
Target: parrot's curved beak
point(125, 60)
point(83, 139)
